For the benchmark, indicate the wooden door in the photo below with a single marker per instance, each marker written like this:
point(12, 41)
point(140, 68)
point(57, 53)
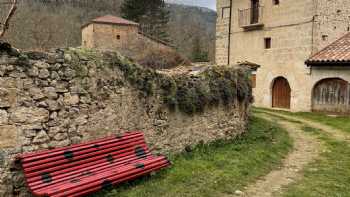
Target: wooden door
point(332, 96)
point(281, 93)
point(254, 12)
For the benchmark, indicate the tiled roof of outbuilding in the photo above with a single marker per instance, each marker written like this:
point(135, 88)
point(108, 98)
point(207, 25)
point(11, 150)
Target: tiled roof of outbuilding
point(114, 20)
point(250, 65)
point(109, 19)
point(336, 53)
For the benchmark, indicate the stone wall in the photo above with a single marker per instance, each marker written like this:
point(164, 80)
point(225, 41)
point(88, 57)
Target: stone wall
point(222, 32)
point(108, 36)
point(124, 38)
point(65, 97)
point(331, 22)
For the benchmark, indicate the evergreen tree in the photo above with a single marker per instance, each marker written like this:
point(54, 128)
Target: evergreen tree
point(198, 55)
point(152, 15)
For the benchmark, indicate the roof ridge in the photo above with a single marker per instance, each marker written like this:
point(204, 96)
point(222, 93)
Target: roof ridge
point(110, 18)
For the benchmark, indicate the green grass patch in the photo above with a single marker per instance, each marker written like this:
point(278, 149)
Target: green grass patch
point(257, 111)
point(215, 169)
point(338, 122)
point(329, 175)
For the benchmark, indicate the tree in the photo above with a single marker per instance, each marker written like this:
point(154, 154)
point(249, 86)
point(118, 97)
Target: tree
point(198, 55)
point(152, 15)
point(5, 26)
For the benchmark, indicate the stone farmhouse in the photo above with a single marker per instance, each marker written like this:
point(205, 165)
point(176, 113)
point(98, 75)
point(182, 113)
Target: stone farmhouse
point(300, 46)
point(115, 33)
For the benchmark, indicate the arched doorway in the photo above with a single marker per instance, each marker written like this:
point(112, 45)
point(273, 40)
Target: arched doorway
point(331, 95)
point(281, 93)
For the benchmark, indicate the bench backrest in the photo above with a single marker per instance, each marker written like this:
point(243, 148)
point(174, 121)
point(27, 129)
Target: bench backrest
point(53, 166)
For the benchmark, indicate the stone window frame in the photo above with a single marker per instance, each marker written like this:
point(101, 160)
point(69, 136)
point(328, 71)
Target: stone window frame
point(223, 11)
point(324, 37)
point(267, 42)
point(276, 2)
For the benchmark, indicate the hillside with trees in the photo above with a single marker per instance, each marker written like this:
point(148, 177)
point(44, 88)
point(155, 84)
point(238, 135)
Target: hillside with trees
point(46, 24)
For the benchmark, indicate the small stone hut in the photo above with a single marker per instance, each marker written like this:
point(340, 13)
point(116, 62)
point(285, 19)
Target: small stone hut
point(115, 33)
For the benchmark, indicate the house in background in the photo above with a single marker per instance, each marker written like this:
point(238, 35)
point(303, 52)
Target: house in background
point(285, 37)
point(115, 33)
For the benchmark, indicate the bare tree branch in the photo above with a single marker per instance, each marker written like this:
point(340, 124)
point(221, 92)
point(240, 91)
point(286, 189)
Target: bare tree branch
point(8, 18)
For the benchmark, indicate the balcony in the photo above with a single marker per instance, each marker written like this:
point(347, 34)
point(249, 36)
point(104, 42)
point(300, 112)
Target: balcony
point(252, 18)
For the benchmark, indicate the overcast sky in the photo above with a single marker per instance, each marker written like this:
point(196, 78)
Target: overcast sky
point(203, 3)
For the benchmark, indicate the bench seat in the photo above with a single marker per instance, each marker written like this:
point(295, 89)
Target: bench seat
point(85, 168)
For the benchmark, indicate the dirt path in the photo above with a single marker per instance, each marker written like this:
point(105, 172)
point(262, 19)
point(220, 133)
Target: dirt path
point(334, 133)
point(306, 149)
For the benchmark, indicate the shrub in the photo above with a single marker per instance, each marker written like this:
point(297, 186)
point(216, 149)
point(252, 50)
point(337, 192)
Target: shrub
point(158, 58)
point(190, 94)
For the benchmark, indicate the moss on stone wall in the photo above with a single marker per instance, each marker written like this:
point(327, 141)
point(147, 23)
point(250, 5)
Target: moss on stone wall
point(188, 93)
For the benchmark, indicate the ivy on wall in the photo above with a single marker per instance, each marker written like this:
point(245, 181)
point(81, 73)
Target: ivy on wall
point(190, 94)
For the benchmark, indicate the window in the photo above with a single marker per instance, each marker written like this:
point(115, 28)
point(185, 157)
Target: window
point(118, 37)
point(276, 2)
point(324, 37)
point(267, 43)
point(225, 12)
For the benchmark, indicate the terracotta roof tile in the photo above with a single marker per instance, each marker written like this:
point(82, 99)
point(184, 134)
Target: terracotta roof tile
point(113, 20)
point(335, 53)
point(109, 19)
point(248, 64)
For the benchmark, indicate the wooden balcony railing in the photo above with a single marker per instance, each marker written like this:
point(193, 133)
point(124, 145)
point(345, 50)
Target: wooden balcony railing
point(252, 17)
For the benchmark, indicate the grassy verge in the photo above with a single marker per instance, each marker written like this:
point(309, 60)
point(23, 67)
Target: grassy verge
point(338, 122)
point(329, 176)
point(216, 169)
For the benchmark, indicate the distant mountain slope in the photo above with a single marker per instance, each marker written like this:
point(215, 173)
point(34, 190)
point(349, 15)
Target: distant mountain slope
point(41, 25)
point(187, 22)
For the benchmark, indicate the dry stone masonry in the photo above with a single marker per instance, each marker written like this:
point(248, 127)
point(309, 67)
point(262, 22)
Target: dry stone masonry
point(68, 96)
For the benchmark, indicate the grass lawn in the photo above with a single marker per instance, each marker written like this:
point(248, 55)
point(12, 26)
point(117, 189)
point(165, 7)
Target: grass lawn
point(216, 169)
point(338, 122)
point(327, 177)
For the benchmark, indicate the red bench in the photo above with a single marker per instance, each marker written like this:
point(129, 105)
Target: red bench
point(82, 169)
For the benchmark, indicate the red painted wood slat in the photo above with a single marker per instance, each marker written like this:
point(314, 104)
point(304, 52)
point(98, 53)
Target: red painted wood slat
point(85, 168)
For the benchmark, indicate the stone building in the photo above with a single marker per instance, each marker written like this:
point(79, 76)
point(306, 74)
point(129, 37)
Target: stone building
point(281, 36)
point(115, 33)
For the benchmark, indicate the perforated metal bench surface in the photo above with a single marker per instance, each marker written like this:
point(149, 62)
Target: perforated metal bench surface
point(86, 168)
